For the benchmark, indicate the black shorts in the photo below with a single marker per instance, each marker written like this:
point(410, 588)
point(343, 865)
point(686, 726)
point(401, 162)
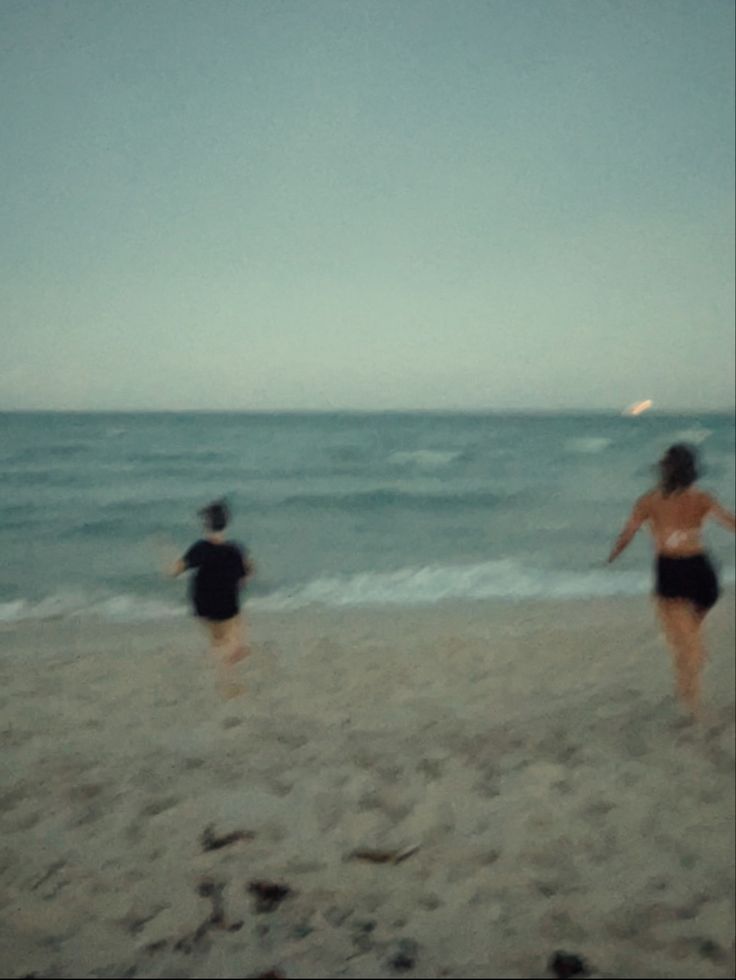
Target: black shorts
point(692, 578)
point(217, 612)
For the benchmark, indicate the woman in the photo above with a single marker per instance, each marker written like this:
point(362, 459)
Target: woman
point(222, 569)
point(686, 584)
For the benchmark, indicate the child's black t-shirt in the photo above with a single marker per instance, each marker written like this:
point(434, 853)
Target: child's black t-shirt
point(215, 586)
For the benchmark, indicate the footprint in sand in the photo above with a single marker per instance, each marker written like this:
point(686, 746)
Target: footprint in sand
point(659, 883)
point(488, 789)
point(597, 810)
point(489, 857)
point(83, 792)
point(10, 800)
point(90, 814)
point(157, 807)
point(431, 769)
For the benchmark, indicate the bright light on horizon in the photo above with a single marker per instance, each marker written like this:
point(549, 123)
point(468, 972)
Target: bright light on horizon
point(639, 407)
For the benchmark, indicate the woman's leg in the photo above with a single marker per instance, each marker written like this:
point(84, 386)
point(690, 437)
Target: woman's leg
point(682, 622)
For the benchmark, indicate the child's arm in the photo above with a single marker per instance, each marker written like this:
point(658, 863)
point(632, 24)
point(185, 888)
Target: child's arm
point(191, 559)
point(249, 569)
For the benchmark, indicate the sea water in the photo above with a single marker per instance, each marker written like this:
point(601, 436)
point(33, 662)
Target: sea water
point(336, 509)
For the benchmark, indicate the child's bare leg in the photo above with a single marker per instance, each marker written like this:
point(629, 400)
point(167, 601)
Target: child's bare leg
point(239, 639)
point(682, 625)
point(221, 651)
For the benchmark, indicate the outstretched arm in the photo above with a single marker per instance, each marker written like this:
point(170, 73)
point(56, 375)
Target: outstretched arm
point(191, 559)
point(635, 521)
point(176, 568)
point(250, 570)
point(723, 516)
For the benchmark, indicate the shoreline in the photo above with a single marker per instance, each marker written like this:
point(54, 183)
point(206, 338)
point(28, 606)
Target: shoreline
point(262, 607)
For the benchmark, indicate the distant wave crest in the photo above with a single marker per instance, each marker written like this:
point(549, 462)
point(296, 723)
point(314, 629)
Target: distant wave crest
point(588, 444)
point(696, 436)
point(427, 458)
point(390, 497)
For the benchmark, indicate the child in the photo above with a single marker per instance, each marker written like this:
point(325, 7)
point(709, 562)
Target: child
point(222, 569)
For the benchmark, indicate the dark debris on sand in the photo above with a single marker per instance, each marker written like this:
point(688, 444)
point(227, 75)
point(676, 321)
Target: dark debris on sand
point(405, 958)
point(214, 890)
point(268, 895)
point(211, 841)
point(566, 965)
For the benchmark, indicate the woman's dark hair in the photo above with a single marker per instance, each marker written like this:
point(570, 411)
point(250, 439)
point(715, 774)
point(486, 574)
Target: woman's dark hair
point(678, 468)
point(216, 515)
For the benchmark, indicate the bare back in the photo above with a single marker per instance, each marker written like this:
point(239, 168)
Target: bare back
point(676, 521)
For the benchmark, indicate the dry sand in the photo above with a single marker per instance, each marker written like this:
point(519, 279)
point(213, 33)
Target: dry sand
point(531, 752)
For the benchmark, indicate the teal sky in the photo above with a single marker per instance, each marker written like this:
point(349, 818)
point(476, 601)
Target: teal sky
point(311, 204)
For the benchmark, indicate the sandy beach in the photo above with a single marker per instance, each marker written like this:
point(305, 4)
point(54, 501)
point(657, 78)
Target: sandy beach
point(452, 792)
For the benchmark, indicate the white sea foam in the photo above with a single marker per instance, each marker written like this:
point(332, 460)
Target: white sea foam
point(588, 444)
point(129, 608)
point(506, 579)
point(121, 608)
point(697, 435)
point(430, 458)
point(12, 612)
point(58, 605)
point(419, 586)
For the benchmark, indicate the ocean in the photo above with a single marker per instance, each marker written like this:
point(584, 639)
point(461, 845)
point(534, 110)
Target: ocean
point(336, 509)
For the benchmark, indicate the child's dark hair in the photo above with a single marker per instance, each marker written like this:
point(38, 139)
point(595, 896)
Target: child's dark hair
point(678, 468)
point(216, 515)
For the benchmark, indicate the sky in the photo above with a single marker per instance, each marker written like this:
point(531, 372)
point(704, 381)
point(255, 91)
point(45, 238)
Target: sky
point(374, 204)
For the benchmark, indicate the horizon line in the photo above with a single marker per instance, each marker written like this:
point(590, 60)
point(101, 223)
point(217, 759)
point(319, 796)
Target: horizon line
point(619, 412)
